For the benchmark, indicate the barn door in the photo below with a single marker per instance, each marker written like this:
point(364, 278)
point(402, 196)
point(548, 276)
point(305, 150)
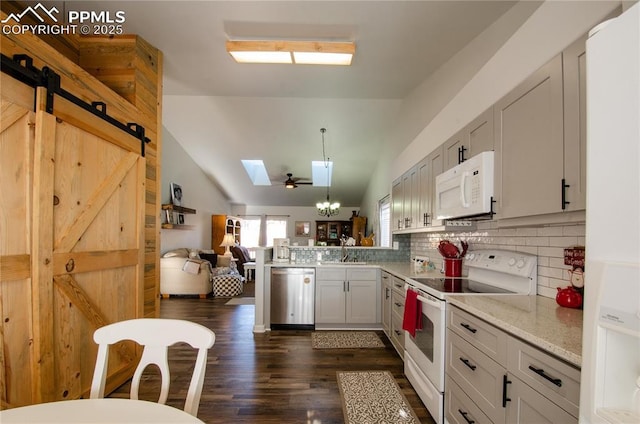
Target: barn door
point(85, 221)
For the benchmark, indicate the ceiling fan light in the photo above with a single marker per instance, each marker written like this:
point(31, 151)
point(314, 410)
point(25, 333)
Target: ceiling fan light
point(290, 185)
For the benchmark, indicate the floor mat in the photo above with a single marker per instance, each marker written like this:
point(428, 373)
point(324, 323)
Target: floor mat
point(345, 339)
point(373, 397)
point(242, 301)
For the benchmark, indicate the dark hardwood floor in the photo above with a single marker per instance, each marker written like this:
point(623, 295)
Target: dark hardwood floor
point(275, 377)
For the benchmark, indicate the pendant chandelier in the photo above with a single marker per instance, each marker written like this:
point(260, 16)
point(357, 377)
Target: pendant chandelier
point(327, 208)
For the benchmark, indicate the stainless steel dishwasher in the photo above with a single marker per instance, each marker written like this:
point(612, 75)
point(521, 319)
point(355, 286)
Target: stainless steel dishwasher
point(293, 298)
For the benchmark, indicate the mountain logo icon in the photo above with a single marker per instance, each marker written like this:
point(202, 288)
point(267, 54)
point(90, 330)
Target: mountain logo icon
point(38, 11)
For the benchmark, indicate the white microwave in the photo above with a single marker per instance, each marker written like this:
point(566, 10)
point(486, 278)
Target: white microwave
point(466, 189)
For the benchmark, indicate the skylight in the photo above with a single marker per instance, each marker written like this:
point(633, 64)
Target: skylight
point(321, 172)
point(256, 171)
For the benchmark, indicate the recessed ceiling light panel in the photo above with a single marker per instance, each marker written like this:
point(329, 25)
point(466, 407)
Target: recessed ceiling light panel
point(301, 52)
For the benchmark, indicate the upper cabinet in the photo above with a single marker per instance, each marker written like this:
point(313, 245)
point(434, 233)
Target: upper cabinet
point(474, 138)
point(575, 127)
point(540, 133)
point(529, 148)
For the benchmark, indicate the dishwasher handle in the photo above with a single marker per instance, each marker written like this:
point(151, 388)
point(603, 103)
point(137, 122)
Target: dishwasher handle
point(292, 271)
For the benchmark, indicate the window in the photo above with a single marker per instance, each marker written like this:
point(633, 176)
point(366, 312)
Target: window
point(251, 232)
point(276, 228)
point(384, 215)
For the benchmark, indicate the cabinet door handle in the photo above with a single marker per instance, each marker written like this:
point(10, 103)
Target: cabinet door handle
point(344, 286)
point(398, 333)
point(386, 293)
point(563, 193)
point(467, 363)
point(464, 415)
point(468, 327)
point(505, 399)
point(398, 304)
point(546, 376)
point(461, 151)
point(348, 288)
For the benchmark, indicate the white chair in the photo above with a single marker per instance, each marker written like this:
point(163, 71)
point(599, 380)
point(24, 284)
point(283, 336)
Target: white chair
point(155, 335)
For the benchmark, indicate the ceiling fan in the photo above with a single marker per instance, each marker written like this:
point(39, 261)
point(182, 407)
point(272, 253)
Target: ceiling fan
point(292, 182)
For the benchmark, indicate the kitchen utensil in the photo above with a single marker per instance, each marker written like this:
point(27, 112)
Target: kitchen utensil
point(465, 247)
point(448, 249)
point(569, 297)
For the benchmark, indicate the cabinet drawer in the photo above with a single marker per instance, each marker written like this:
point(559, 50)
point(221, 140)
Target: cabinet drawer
point(398, 285)
point(397, 333)
point(478, 375)
point(330, 274)
point(487, 338)
point(553, 378)
point(459, 408)
point(362, 273)
point(397, 304)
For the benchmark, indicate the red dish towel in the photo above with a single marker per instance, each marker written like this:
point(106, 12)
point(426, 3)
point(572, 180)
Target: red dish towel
point(412, 319)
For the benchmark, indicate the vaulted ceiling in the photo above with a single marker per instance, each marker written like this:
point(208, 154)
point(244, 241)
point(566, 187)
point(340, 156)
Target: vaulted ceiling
point(221, 112)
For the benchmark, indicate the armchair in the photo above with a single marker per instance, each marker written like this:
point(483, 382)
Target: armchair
point(244, 261)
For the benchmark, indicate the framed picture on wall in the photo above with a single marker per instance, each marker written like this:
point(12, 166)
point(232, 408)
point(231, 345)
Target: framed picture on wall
point(303, 228)
point(168, 216)
point(176, 194)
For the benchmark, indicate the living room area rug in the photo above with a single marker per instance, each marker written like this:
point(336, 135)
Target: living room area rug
point(373, 397)
point(242, 301)
point(345, 340)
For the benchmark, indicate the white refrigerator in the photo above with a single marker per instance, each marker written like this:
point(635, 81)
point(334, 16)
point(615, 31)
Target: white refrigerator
point(610, 381)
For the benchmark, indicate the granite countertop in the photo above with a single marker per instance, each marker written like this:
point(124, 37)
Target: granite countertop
point(536, 319)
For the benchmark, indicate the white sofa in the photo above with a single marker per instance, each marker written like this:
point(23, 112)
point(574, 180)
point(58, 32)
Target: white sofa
point(175, 280)
point(182, 272)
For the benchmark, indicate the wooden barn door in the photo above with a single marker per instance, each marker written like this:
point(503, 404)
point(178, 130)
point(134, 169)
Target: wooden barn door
point(82, 183)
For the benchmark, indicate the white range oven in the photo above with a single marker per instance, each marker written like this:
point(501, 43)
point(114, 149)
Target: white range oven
point(489, 272)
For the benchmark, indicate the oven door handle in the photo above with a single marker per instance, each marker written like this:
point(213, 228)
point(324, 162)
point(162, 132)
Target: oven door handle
point(435, 303)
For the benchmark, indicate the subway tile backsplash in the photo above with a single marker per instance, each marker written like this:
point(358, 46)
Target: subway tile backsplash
point(548, 243)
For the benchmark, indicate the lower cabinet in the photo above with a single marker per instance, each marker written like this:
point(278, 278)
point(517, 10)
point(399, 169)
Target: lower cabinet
point(393, 295)
point(347, 295)
point(493, 377)
point(387, 288)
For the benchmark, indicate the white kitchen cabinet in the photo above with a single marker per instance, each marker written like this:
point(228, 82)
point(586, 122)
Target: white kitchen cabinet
point(427, 171)
point(397, 203)
point(347, 295)
point(540, 131)
point(398, 295)
point(527, 406)
point(492, 375)
point(387, 288)
point(529, 145)
point(575, 125)
point(476, 137)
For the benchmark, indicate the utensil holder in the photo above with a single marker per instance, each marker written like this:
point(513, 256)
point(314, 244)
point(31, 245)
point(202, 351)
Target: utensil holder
point(452, 267)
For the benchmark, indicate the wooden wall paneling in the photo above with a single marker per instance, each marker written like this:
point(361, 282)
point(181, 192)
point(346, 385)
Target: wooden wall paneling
point(66, 44)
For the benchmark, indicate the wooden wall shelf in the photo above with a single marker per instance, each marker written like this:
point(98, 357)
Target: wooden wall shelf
point(179, 209)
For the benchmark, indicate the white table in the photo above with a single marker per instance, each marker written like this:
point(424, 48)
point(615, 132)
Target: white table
point(110, 410)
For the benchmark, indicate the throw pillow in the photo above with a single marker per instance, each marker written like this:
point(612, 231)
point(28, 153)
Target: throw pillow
point(211, 257)
point(180, 253)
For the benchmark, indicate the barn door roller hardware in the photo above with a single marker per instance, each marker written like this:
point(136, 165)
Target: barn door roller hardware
point(21, 68)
